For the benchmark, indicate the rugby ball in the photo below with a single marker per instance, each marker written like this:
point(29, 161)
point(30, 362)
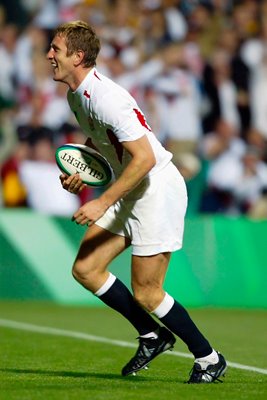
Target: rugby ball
point(92, 167)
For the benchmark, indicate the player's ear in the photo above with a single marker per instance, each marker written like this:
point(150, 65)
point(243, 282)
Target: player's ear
point(78, 57)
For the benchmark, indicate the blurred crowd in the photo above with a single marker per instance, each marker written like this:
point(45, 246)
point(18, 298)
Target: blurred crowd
point(198, 70)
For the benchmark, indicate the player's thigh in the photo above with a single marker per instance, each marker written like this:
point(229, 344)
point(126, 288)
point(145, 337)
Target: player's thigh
point(158, 223)
point(148, 274)
point(98, 248)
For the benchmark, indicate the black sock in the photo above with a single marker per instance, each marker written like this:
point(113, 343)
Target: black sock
point(120, 299)
point(180, 323)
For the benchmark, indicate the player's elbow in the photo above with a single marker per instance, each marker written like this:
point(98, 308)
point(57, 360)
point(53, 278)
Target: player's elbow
point(148, 161)
point(152, 161)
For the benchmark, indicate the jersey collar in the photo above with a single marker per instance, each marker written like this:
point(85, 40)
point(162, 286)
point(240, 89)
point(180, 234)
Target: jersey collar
point(84, 88)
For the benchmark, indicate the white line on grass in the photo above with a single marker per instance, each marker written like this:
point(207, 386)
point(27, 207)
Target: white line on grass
point(84, 336)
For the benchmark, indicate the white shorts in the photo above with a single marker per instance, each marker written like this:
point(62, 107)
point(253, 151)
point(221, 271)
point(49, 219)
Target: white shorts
point(152, 215)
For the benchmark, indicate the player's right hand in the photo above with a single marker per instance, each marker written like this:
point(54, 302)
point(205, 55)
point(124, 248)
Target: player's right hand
point(72, 183)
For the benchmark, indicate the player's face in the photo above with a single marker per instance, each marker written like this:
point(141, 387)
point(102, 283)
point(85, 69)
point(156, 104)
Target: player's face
point(62, 64)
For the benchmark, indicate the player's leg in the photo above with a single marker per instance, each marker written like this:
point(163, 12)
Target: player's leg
point(148, 274)
point(148, 291)
point(160, 232)
point(98, 248)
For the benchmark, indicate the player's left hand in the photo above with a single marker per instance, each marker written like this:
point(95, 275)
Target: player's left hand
point(89, 213)
point(72, 183)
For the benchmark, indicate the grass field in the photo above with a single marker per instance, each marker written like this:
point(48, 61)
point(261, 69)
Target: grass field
point(65, 353)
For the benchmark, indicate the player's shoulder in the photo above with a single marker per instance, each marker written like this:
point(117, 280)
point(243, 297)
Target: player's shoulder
point(108, 87)
point(109, 102)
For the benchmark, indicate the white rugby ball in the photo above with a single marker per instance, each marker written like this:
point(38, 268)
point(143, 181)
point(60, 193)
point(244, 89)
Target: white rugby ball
point(92, 167)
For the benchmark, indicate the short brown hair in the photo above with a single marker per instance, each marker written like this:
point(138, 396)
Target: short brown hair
point(80, 36)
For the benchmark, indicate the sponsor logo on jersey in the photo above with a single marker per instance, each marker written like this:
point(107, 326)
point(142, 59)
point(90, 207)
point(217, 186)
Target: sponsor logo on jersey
point(86, 94)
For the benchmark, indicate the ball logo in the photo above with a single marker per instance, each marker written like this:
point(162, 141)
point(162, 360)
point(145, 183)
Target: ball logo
point(93, 169)
point(82, 166)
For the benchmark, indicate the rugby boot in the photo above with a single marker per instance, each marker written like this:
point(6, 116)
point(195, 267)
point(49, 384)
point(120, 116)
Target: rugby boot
point(148, 349)
point(208, 374)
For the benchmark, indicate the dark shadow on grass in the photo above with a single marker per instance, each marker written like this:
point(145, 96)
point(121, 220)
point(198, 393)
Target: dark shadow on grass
point(77, 374)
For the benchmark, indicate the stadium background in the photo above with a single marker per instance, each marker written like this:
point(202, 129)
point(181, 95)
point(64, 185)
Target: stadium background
point(198, 71)
point(222, 264)
point(168, 54)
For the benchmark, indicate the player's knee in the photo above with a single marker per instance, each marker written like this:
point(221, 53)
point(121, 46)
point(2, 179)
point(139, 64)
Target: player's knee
point(83, 272)
point(77, 272)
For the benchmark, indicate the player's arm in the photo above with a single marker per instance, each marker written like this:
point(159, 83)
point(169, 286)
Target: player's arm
point(143, 160)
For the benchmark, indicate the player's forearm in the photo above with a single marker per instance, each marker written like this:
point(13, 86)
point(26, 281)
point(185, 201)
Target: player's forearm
point(129, 179)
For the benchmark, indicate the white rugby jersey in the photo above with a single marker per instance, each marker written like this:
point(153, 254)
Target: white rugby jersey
point(109, 115)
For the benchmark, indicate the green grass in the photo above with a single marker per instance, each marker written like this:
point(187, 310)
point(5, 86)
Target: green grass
point(37, 366)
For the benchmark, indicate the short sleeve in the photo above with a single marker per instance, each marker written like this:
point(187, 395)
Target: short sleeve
point(124, 117)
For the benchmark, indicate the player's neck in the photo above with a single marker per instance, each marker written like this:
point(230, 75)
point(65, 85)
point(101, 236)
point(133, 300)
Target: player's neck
point(78, 78)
